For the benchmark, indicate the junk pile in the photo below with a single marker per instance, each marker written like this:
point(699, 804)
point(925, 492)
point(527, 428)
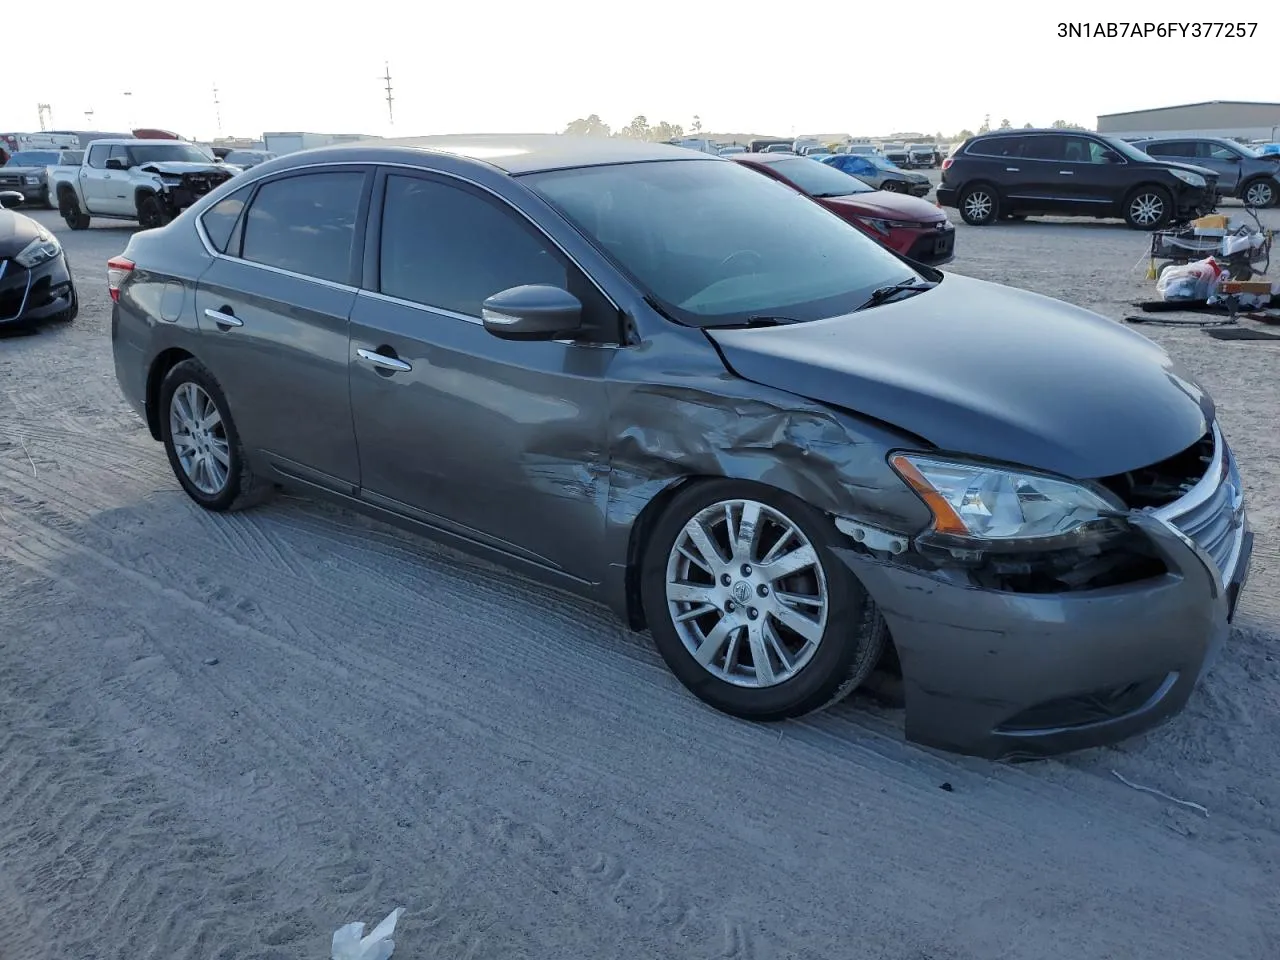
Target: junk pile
point(1240, 249)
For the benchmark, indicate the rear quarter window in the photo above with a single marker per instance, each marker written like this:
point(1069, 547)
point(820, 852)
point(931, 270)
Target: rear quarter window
point(996, 147)
point(220, 220)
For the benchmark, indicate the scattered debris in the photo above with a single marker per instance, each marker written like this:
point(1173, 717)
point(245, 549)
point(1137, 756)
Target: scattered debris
point(1161, 794)
point(1190, 324)
point(350, 943)
point(1242, 333)
point(947, 787)
point(211, 662)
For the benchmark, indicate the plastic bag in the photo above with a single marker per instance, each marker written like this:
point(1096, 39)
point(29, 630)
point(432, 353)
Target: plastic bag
point(1191, 281)
point(350, 943)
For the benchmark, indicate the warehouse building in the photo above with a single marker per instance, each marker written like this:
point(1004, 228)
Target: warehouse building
point(1215, 118)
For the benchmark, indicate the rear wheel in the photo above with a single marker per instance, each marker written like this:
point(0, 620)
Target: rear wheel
point(1148, 208)
point(202, 442)
point(979, 205)
point(69, 207)
point(750, 608)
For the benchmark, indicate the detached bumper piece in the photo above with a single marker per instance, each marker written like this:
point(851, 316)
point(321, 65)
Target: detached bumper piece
point(194, 186)
point(1007, 675)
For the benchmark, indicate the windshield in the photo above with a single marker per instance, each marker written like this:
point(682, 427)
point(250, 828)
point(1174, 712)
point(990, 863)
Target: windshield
point(1245, 149)
point(167, 153)
point(33, 158)
point(1127, 149)
point(714, 244)
point(819, 179)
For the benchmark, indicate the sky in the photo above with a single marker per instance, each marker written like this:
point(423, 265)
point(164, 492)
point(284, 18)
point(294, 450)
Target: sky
point(520, 66)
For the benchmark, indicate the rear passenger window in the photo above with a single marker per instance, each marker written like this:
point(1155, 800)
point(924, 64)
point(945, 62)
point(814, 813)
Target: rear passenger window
point(1044, 148)
point(219, 221)
point(998, 147)
point(305, 224)
point(446, 247)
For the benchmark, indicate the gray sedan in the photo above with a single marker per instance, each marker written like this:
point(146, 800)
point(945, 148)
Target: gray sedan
point(659, 380)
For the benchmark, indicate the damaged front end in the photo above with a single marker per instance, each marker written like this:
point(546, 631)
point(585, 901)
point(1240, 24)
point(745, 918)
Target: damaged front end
point(181, 188)
point(1038, 615)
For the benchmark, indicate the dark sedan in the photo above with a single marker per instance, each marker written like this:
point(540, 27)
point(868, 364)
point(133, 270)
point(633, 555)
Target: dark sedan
point(662, 381)
point(35, 281)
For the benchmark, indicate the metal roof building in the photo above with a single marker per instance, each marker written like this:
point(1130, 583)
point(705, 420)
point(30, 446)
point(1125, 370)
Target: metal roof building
point(1213, 118)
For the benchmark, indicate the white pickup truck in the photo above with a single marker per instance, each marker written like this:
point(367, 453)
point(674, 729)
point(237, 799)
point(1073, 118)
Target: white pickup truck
point(150, 181)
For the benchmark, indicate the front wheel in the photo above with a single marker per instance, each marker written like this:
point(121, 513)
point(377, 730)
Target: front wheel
point(750, 608)
point(202, 442)
point(1259, 194)
point(1148, 208)
point(69, 207)
point(979, 205)
point(894, 186)
point(151, 213)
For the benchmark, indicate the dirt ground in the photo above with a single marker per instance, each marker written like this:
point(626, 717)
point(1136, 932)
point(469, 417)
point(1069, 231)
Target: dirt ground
point(224, 736)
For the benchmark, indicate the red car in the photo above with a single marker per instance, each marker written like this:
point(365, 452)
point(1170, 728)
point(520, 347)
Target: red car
point(907, 225)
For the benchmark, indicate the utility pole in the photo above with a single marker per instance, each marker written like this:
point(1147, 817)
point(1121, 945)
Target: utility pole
point(45, 111)
point(387, 78)
point(88, 116)
point(217, 109)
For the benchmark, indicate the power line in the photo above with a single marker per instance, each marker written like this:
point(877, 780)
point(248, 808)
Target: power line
point(387, 77)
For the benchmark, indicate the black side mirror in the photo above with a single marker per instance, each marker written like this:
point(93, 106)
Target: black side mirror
point(10, 198)
point(532, 312)
point(116, 163)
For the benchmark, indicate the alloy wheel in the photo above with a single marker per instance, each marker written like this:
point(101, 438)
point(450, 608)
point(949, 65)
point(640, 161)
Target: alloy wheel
point(978, 205)
point(200, 439)
point(1146, 209)
point(746, 593)
point(1259, 194)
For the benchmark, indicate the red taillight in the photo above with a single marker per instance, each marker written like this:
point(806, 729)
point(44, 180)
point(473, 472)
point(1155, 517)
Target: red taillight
point(946, 164)
point(118, 269)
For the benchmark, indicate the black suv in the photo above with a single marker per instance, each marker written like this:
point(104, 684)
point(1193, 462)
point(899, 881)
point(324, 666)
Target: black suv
point(1071, 173)
point(1242, 172)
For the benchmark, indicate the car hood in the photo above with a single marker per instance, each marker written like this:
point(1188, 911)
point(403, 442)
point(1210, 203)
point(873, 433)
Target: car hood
point(23, 170)
point(989, 371)
point(885, 205)
point(16, 231)
point(182, 166)
point(1205, 172)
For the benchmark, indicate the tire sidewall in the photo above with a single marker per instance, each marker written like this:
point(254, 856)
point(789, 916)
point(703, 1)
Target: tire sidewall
point(192, 371)
point(853, 633)
point(991, 217)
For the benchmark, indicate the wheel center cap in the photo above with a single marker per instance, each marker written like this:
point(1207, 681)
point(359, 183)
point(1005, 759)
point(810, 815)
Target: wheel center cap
point(741, 591)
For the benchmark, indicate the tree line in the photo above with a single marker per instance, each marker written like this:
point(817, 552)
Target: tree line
point(641, 129)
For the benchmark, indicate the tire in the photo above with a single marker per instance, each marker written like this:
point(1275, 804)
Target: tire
point(894, 186)
point(50, 201)
point(1259, 193)
point(238, 487)
point(69, 207)
point(843, 643)
point(151, 213)
point(979, 205)
point(72, 311)
point(1148, 208)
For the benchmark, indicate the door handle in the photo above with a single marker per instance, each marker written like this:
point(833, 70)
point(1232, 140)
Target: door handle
point(222, 319)
point(382, 360)
point(1067, 173)
point(1010, 169)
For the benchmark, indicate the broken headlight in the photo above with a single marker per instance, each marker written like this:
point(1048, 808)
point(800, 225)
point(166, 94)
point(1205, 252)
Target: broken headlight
point(38, 251)
point(989, 507)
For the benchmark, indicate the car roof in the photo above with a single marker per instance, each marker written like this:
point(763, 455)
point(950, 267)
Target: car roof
point(765, 157)
point(1019, 131)
point(514, 154)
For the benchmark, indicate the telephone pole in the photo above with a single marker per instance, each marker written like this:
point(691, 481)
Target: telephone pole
point(387, 78)
point(217, 109)
point(45, 111)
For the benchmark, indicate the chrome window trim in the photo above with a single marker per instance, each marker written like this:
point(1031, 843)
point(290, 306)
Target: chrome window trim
point(213, 252)
point(424, 307)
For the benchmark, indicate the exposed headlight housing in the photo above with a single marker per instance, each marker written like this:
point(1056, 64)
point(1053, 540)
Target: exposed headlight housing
point(985, 507)
point(170, 179)
point(38, 251)
point(1187, 177)
point(879, 226)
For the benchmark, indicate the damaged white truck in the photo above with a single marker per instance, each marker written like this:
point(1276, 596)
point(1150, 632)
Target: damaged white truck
point(150, 181)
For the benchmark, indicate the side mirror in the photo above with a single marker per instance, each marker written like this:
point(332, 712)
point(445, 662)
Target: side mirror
point(532, 312)
point(115, 163)
point(10, 198)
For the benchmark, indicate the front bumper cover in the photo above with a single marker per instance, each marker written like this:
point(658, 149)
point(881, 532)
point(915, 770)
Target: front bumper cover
point(978, 664)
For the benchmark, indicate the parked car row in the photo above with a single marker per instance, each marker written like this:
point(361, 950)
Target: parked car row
point(1077, 173)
